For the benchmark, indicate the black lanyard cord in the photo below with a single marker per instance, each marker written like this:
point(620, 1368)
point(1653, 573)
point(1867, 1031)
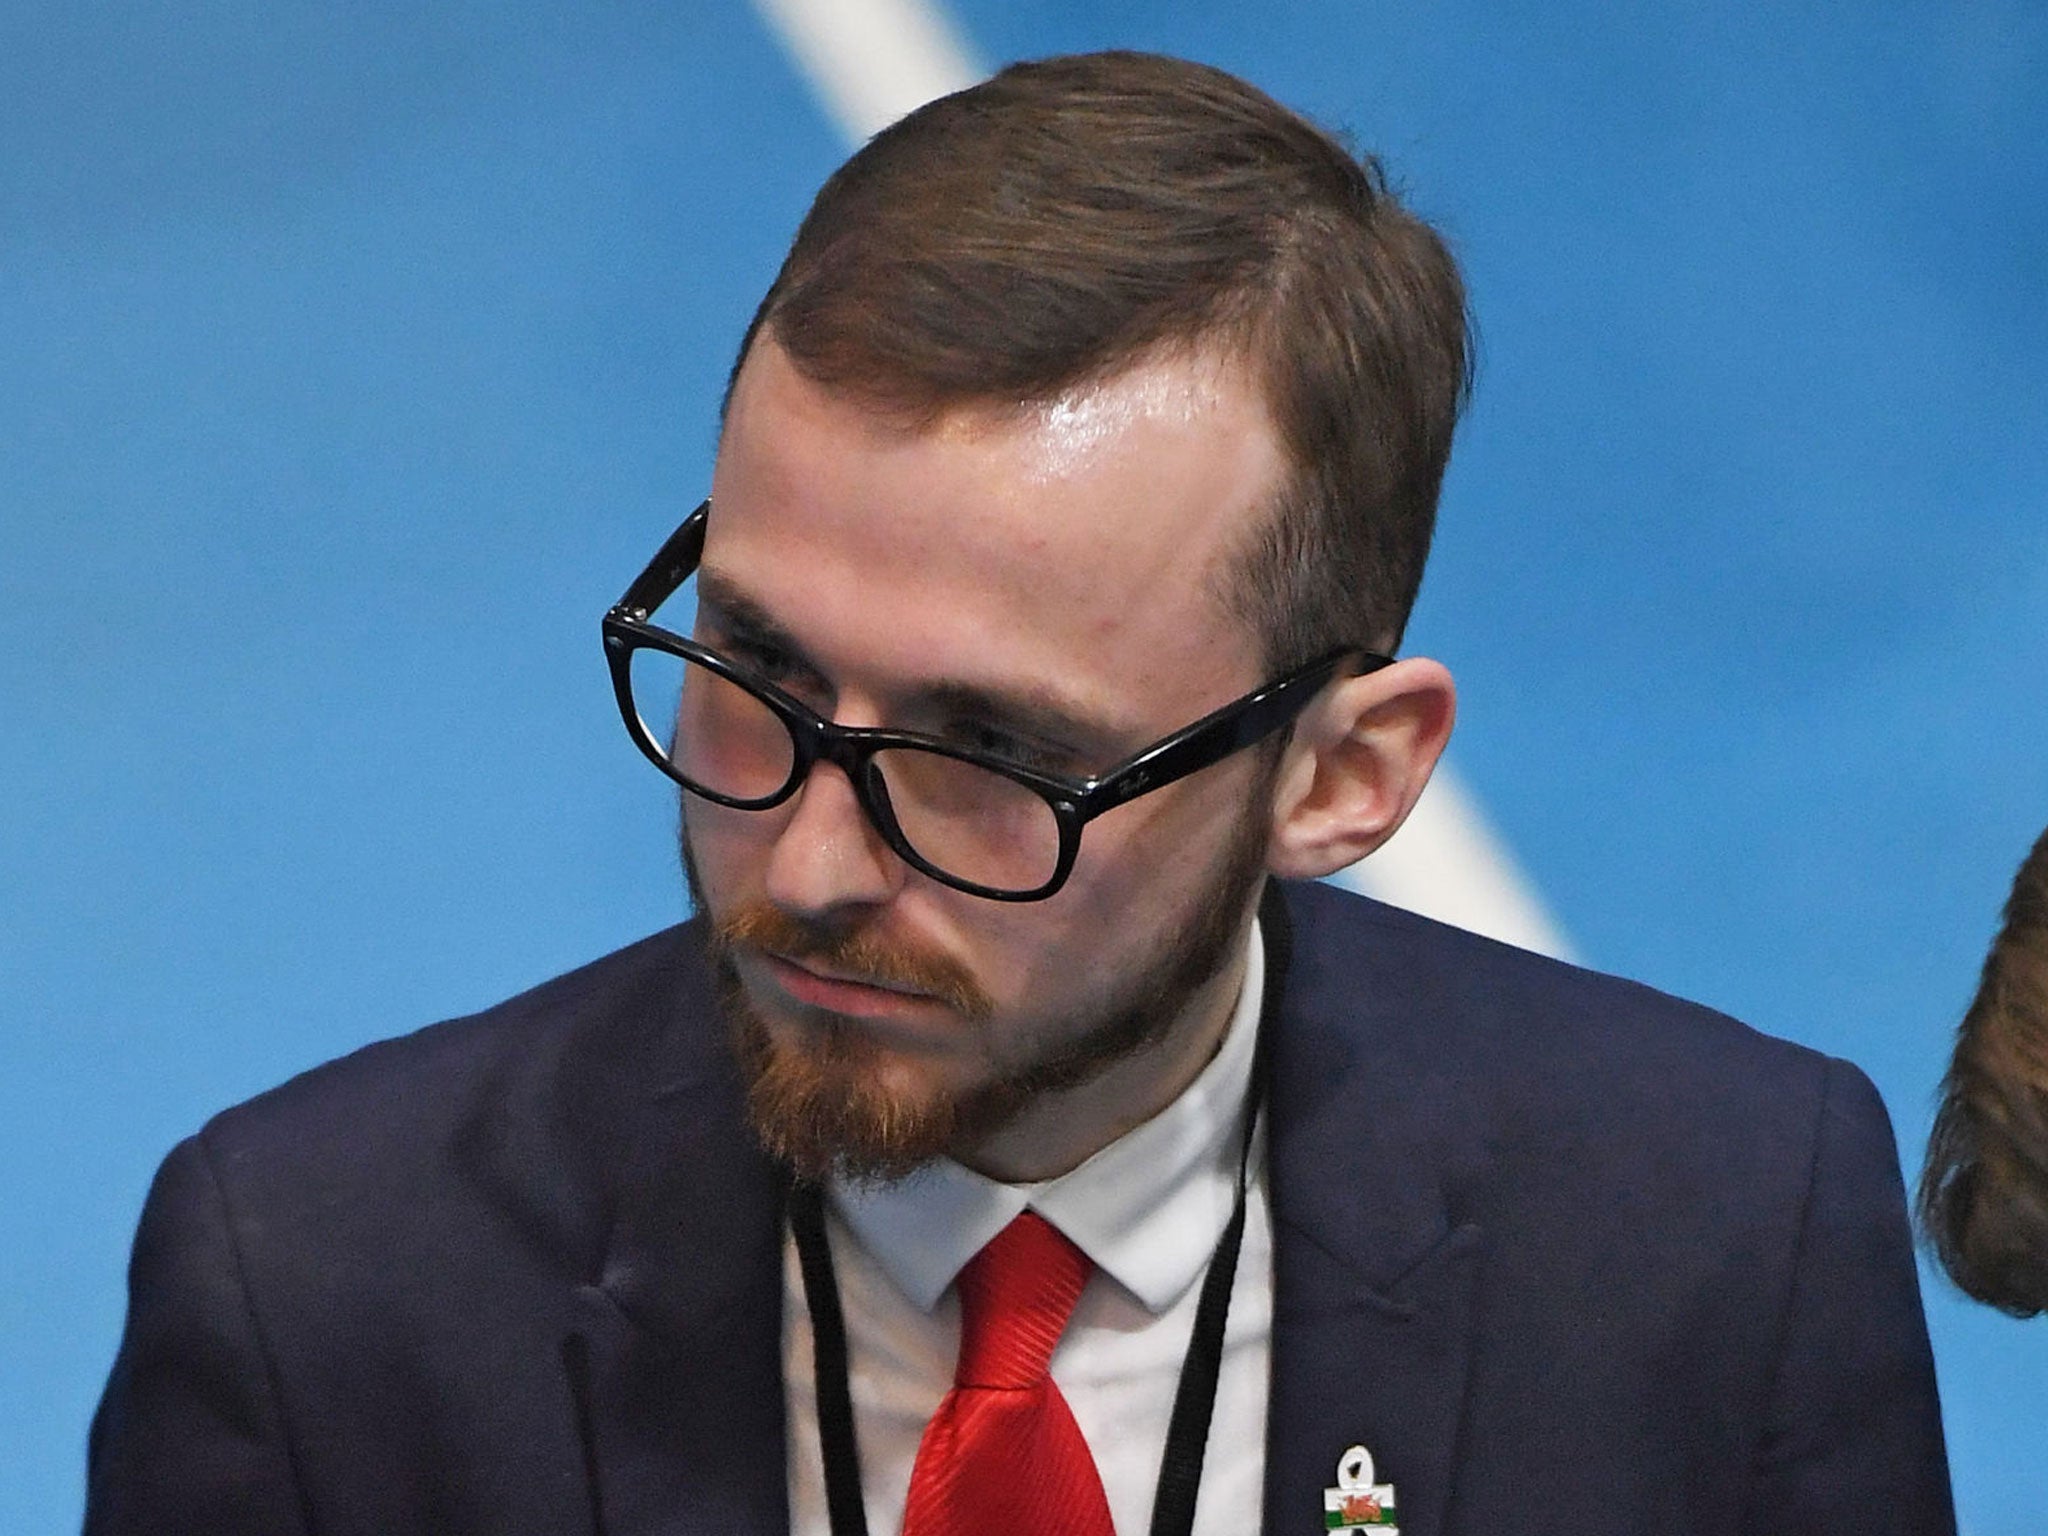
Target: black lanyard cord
point(828, 1350)
point(1194, 1401)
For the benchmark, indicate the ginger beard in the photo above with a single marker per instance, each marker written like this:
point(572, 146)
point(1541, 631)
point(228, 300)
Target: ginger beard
point(823, 1105)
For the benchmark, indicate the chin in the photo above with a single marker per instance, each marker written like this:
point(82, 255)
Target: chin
point(830, 1101)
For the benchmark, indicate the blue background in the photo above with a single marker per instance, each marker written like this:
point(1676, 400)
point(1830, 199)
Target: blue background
point(352, 358)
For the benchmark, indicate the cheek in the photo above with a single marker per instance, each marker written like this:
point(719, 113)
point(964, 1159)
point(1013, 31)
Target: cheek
point(1141, 870)
point(1089, 934)
point(727, 849)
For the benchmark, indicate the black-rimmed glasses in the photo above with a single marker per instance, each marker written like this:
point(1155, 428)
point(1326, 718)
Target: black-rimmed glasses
point(970, 819)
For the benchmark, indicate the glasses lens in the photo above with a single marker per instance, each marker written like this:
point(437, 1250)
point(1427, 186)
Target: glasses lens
point(721, 738)
point(976, 825)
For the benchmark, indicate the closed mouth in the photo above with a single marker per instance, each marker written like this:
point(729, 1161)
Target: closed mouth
point(844, 978)
point(812, 986)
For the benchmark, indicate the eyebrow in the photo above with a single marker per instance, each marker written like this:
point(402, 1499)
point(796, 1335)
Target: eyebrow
point(743, 618)
point(1030, 709)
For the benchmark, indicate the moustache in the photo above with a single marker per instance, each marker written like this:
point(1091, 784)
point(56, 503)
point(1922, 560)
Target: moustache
point(857, 956)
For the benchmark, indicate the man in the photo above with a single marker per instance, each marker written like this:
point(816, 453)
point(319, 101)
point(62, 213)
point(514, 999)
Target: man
point(1015, 1143)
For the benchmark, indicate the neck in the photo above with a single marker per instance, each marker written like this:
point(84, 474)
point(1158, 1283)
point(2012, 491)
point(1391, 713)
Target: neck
point(1059, 1132)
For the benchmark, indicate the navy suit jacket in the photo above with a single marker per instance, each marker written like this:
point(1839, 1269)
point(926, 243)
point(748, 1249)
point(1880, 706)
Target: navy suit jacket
point(1564, 1253)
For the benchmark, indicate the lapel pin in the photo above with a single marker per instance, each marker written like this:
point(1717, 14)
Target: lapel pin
point(1358, 1503)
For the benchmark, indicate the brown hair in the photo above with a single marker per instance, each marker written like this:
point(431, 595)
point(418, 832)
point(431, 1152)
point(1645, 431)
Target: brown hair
point(1054, 224)
point(1984, 1192)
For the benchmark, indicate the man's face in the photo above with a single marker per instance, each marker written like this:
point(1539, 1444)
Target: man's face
point(1049, 573)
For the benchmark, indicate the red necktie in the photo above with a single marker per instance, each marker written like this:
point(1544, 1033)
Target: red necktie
point(1003, 1455)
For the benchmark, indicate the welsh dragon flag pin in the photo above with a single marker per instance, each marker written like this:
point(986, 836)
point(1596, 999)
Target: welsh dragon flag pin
point(1358, 1503)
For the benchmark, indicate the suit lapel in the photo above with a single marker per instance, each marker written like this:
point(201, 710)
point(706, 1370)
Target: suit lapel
point(1374, 1280)
point(674, 1354)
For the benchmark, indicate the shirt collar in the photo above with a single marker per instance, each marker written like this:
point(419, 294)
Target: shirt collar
point(1148, 1208)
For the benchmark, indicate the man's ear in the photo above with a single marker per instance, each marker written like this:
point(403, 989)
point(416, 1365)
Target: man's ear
point(1356, 765)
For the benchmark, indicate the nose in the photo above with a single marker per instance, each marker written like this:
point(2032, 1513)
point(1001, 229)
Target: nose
point(827, 856)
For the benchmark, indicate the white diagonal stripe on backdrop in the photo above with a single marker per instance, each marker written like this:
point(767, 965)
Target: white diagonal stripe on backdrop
point(1446, 862)
point(871, 61)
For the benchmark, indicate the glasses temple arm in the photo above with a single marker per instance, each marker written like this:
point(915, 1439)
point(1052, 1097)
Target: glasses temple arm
point(671, 566)
point(1230, 730)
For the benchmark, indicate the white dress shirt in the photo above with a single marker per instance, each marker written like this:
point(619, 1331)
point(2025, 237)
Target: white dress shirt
point(1148, 1209)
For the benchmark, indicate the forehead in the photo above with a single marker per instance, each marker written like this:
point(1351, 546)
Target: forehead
point(1082, 537)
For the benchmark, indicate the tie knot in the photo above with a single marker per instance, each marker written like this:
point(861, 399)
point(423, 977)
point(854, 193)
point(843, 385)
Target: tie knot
point(1015, 1298)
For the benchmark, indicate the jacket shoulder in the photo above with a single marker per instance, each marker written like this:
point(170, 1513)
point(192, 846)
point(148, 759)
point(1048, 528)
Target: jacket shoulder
point(516, 1109)
point(1517, 1065)
point(624, 1005)
point(1415, 983)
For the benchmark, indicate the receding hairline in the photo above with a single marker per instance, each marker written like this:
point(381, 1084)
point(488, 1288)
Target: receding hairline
point(913, 405)
point(1225, 354)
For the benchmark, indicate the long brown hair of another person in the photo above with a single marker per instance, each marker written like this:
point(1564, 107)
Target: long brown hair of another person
point(1984, 1192)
